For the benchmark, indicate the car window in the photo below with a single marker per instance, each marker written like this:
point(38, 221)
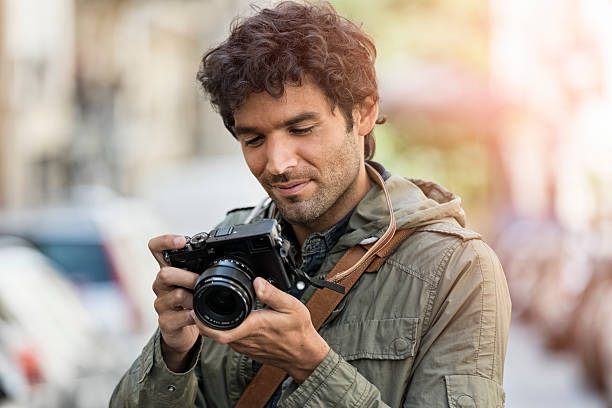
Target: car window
point(82, 262)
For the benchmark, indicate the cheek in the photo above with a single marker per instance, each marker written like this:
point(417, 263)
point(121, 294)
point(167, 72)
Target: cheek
point(256, 162)
point(325, 146)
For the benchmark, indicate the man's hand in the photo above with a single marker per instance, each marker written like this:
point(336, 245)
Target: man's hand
point(173, 288)
point(281, 335)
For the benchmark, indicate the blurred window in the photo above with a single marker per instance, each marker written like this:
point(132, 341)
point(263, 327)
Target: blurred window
point(82, 262)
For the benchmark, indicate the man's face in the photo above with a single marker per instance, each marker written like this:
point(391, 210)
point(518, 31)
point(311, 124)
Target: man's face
point(301, 152)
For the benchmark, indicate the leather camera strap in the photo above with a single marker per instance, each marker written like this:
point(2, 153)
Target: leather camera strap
point(346, 272)
point(321, 304)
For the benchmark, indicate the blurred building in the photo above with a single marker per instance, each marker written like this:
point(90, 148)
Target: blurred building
point(554, 60)
point(37, 53)
point(102, 92)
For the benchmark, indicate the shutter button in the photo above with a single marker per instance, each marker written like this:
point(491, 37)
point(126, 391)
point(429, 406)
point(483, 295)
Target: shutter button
point(171, 388)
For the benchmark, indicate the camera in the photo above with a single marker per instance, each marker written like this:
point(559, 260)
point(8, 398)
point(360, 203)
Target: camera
point(228, 259)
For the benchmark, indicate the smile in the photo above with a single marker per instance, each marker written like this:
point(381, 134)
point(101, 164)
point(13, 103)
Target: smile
point(290, 189)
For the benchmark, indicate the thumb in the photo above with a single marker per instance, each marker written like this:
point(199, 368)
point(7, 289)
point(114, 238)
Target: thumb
point(274, 297)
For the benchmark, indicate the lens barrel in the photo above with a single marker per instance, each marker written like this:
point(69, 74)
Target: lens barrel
point(224, 295)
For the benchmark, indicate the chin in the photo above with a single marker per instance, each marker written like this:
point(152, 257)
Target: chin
point(300, 213)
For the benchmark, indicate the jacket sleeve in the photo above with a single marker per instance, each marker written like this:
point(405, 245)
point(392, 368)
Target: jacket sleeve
point(460, 359)
point(334, 383)
point(149, 383)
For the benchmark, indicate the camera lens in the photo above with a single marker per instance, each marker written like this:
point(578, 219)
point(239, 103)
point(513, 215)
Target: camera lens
point(223, 296)
point(222, 301)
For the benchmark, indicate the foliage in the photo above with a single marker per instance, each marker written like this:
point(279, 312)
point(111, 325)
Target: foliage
point(445, 31)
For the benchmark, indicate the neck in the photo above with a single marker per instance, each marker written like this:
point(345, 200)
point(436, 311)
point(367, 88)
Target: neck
point(347, 201)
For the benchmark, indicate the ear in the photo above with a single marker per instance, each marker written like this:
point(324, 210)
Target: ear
point(365, 115)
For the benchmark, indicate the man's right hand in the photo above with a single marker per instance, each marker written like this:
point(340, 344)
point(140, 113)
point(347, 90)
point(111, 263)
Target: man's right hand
point(173, 288)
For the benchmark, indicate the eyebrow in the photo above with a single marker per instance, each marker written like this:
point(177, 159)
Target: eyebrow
point(290, 122)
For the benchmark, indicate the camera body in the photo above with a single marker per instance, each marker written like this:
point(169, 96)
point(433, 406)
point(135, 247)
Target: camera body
point(228, 259)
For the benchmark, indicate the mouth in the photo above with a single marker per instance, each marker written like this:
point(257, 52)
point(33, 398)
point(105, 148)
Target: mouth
point(291, 188)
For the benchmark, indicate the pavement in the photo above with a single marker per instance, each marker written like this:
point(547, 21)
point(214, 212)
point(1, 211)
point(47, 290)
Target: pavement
point(538, 377)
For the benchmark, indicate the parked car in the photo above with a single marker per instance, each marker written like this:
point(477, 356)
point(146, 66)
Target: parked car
point(46, 333)
point(17, 368)
point(100, 247)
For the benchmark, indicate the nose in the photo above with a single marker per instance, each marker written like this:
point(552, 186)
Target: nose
point(281, 154)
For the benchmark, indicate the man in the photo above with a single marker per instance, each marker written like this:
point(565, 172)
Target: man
point(296, 87)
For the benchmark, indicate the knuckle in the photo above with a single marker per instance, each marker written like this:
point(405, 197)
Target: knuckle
point(179, 295)
point(164, 274)
point(162, 321)
point(303, 313)
point(155, 286)
point(168, 322)
point(157, 304)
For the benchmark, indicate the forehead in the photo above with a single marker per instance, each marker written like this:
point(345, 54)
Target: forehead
point(262, 107)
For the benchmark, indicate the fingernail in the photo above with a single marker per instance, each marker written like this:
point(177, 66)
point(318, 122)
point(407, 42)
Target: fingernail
point(178, 241)
point(260, 285)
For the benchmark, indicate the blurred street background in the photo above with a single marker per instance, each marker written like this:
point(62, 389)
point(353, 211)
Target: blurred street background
point(107, 141)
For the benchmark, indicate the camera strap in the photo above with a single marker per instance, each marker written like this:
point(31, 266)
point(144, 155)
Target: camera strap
point(321, 304)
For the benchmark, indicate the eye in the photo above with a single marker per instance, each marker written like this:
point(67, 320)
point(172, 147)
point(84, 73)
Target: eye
point(253, 141)
point(301, 131)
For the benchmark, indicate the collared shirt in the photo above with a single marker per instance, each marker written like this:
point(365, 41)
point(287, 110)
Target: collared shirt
point(314, 249)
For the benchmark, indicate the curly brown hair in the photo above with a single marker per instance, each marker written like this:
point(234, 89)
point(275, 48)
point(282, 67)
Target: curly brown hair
point(288, 44)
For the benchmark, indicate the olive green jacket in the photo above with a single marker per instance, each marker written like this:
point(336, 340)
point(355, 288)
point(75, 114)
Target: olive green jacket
point(429, 329)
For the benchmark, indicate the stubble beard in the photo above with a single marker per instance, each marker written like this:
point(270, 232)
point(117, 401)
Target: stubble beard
point(333, 188)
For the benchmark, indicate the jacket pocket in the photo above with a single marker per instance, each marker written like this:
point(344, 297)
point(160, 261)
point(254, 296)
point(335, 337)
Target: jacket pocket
point(471, 391)
point(386, 339)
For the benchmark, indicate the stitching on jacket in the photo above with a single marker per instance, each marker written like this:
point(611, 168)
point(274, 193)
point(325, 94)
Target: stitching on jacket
point(434, 287)
point(410, 270)
point(355, 372)
point(450, 392)
point(362, 396)
point(495, 326)
point(300, 393)
point(244, 368)
point(324, 381)
point(409, 334)
point(482, 290)
point(449, 229)
point(481, 334)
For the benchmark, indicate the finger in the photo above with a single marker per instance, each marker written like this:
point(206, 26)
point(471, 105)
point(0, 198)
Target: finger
point(220, 336)
point(174, 320)
point(274, 297)
point(164, 242)
point(169, 278)
point(251, 327)
point(177, 299)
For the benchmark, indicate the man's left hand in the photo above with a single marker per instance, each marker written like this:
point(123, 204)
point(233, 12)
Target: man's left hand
point(281, 335)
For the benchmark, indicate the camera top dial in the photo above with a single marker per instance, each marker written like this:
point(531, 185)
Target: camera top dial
point(197, 240)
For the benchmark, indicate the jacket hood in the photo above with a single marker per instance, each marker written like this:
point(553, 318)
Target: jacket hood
point(416, 203)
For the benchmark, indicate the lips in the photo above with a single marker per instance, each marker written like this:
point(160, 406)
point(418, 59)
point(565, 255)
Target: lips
point(291, 188)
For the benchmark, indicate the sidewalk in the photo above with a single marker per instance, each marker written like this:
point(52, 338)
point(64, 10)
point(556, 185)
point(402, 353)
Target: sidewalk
point(537, 377)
